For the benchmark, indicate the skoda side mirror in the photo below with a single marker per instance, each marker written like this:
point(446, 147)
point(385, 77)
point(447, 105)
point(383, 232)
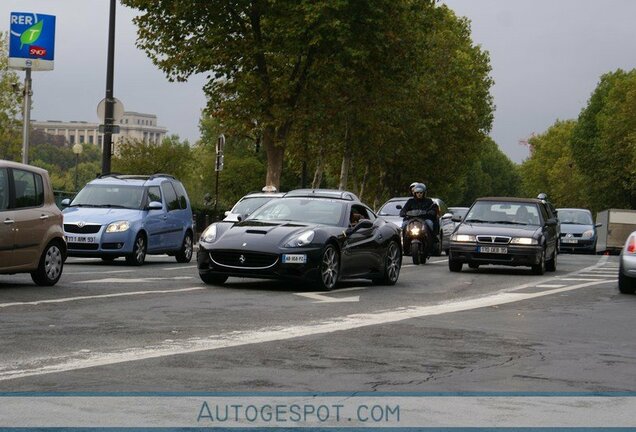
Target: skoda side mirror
point(155, 205)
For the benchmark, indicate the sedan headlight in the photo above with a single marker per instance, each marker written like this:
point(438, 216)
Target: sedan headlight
point(463, 238)
point(588, 234)
point(524, 241)
point(209, 235)
point(302, 239)
point(119, 226)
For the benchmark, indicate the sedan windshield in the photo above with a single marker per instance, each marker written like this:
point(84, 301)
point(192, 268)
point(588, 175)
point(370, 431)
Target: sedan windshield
point(109, 196)
point(391, 209)
point(578, 217)
point(504, 213)
point(309, 210)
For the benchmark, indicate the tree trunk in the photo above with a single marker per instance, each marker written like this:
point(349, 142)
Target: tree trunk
point(364, 181)
point(275, 152)
point(318, 173)
point(346, 160)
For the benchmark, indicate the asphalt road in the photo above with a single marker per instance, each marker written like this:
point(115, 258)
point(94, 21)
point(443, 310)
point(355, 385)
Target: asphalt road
point(110, 327)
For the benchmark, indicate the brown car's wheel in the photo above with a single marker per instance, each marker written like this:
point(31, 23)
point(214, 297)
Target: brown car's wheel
point(50, 266)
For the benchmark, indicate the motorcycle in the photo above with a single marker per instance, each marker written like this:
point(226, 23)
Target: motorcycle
point(417, 236)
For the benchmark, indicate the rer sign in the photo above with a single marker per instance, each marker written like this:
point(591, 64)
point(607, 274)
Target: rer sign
point(31, 41)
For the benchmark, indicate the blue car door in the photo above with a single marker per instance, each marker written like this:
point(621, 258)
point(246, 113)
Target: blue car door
point(173, 228)
point(155, 221)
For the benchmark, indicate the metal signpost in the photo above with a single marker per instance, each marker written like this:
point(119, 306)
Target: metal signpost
point(218, 166)
point(31, 48)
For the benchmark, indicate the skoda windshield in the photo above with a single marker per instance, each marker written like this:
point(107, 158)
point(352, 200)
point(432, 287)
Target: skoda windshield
point(115, 196)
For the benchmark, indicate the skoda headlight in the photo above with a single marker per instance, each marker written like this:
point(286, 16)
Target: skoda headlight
point(463, 238)
point(119, 226)
point(209, 235)
point(302, 239)
point(588, 234)
point(524, 241)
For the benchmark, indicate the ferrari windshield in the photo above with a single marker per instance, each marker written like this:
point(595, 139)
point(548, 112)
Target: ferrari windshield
point(309, 210)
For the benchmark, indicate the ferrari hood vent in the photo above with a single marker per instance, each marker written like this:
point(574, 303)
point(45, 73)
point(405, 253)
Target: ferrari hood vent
point(253, 231)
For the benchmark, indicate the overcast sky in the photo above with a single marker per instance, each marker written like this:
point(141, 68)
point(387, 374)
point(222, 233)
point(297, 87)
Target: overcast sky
point(546, 56)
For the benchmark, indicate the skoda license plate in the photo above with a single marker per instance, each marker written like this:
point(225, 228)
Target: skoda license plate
point(493, 249)
point(80, 239)
point(294, 258)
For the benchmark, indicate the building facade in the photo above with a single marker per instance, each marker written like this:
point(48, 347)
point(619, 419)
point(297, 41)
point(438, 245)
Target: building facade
point(132, 126)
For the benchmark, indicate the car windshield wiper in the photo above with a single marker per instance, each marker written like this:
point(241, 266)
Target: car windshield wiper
point(475, 220)
point(509, 222)
point(109, 206)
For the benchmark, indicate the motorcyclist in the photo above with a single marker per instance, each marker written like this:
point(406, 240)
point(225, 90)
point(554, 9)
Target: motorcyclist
point(421, 202)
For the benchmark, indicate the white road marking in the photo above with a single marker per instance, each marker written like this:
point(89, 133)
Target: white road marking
point(98, 296)
point(549, 286)
point(576, 279)
point(76, 361)
point(138, 280)
point(179, 268)
point(98, 272)
point(321, 296)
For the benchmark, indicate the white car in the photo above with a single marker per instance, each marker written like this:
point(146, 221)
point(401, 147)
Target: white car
point(627, 269)
point(248, 204)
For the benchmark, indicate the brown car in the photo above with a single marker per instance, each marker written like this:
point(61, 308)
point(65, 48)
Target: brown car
point(31, 233)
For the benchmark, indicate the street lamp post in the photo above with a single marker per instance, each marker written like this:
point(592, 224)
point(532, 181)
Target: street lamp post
point(77, 149)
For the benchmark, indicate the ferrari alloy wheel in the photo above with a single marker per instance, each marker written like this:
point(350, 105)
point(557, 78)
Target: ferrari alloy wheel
point(329, 268)
point(392, 264)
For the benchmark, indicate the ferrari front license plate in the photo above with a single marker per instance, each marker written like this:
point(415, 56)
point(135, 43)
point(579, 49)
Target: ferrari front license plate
point(493, 249)
point(294, 259)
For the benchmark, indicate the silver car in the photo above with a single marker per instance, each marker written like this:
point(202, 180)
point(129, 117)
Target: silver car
point(627, 269)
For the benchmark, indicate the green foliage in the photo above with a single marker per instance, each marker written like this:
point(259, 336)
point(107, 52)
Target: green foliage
point(491, 174)
point(10, 102)
point(393, 88)
point(604, 142)
point(551, 168)
point(137, 157)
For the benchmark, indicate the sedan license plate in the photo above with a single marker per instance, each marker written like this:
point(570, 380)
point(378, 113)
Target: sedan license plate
point(80, 239)
point(569, 240)
point(294, 258)
point(493, 249)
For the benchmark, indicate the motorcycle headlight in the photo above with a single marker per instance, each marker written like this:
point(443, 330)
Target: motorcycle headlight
point(414, 230)
point(209, 235)
point(302, 239)
point(588, 234)
point(524, 241)
point(463, 238)
point(119, 226)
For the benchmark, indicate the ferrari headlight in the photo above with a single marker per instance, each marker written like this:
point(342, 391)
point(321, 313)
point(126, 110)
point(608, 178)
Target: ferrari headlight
point(588, 234)
point(302, 239)
point(463, 238)
point(524, 241)
point(209, 235)
point(119, 226)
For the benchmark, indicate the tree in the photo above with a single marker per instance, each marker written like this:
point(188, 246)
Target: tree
point(551, 168)
point(604, 142)
point(170, 157)
point(10, 102)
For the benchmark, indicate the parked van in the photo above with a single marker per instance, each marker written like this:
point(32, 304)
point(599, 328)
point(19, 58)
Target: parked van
point(31, 232)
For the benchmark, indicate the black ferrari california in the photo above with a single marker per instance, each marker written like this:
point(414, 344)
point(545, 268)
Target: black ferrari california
point(316, 235)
